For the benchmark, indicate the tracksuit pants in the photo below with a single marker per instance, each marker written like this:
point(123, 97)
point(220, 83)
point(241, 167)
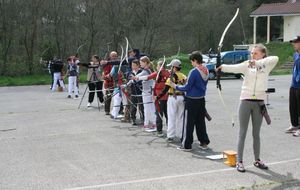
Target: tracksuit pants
point(149, 109)
point(108, 94)
point(194, 115)
point(57, 77)
point(163, 113)
point(294, 105)
point(95, 86)
point(175, 116)
point(72, 85)
point(117, 100)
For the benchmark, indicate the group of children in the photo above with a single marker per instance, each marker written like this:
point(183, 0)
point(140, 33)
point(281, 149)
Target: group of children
point(160, 93)
point(134, 86)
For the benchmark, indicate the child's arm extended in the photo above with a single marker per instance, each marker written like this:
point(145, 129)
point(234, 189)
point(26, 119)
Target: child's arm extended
point(148, 77)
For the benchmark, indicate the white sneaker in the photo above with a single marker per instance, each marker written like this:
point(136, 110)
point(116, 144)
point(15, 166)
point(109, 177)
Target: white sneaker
point(89, 105)
point(184, 149)
point(291, 129)
point(152, 129)
point(119, 116)
point(296, 133)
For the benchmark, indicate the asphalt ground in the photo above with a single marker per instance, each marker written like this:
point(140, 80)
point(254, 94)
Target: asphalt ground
point(47, 143)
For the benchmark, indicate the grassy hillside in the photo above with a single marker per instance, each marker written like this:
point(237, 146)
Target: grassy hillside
point(285, 53)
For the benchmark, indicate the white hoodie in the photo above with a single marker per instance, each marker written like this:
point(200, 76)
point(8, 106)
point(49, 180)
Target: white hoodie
point(255, 78)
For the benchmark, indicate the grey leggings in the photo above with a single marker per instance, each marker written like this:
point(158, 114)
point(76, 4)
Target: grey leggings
point(247, 109)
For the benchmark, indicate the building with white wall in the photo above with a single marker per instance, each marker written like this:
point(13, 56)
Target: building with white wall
point(290, 11)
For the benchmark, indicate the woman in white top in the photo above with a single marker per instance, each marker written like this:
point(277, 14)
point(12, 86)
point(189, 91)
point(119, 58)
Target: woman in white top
point(253, 94)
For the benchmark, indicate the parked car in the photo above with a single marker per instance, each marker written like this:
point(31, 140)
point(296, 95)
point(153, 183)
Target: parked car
point(227, 57)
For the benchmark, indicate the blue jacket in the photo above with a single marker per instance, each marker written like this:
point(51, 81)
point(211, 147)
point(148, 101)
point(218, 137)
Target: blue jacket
point(296, 71)
point(195, 86)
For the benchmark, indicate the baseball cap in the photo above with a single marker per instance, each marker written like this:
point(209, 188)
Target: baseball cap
point(175, 63)
point(295, 39)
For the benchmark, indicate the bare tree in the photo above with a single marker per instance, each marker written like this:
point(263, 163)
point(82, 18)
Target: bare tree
point(30, 20)
point(157, 27)
point(6, 32)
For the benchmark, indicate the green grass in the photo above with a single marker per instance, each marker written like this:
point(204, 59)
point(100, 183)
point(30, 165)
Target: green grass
point(281, 72)
point(184, 58)
point(283, 50)
point(31, 80)
point(25, 80)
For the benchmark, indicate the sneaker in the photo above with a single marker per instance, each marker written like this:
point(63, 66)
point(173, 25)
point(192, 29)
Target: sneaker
point(260, 164)
point(76, 97)
point(107, 113)
point(89, 105)
point(291, 129)
point(170, 140)
point(134, 122)
point(160, 134)
point(240, 167)
point(296, 133)
point(120, 116)
point(146, 127)
point(203, 146)
point(151, 129)
point(184, 149)
point(69, 96)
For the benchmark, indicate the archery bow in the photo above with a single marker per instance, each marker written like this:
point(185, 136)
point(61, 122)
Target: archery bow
point(124, 56)
point(106, 54)
point(156, 102)
point(41, 59)
point(44, 52)
point(162, 65)
point(77, 51)
point(218, 83)
point(127, 46)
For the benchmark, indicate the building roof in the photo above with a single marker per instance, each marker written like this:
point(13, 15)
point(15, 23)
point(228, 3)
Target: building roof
point(291, 7)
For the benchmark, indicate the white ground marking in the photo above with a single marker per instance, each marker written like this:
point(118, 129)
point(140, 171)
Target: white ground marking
point(172, 176)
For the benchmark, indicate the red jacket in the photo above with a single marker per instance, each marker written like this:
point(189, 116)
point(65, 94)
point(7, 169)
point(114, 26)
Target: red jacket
point(160, 83)
point(108, 80)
